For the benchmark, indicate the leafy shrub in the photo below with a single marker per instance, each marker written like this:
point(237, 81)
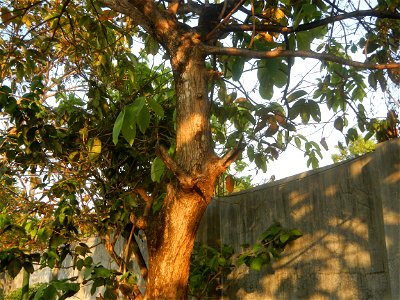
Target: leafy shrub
point(207, 268)
point(209, 265)
point(17, 294)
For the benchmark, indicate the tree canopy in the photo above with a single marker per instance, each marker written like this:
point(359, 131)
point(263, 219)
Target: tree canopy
point(119, 116)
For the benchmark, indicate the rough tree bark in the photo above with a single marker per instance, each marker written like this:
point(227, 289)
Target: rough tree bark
point(171, 233)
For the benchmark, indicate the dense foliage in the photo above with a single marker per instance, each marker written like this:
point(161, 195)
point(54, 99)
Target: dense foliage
point(355, 148)
point(117, 117)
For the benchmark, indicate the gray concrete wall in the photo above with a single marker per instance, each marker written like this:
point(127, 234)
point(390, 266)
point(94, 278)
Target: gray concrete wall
point(350, 216)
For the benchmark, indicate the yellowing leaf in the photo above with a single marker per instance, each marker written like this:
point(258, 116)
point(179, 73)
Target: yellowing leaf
point(94, 147)
point(26, 20)
point(107, 15)
point(266, 36)
point(102, 60)
point(6, 15)
point(274, 13)
point(229, 184)
point(279, 14)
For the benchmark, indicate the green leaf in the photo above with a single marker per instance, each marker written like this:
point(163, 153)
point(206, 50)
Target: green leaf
point(250, 153)
point(157, 108)
point(284, 238)
point(297, 141)
point(266, 77)
point(28, 266)
point(143, 119)
point(313, 161)
point(280, 77)
point(260, 161)
point(157, 169)
point(352, 134)
point(124, 276)
point(314, 110)
point(69, 289)
point(11, 106)
point(129, 125)
point(4, 221)
point(88, 261)
point(110, 294)
point(271, 232)
point(43, 233)
point(102, 272)
point(296, 109)
point(237, 68)
point(39, 293)
point(305, 115)
point(295, 95)
point(87, 273)
point(256, 263)
point(51, 261)
point(14, 267)
point(304, 40)
point(117, 126)
point(373, 82)
point(82, 249)
point(96, 283)
point(324, 144)
point(339, 124)
point(295, 233)
point(79, 264)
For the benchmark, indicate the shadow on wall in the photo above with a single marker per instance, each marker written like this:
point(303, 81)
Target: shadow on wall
point(349, 214)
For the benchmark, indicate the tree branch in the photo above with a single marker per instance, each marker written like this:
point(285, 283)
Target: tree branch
point(232, 155)
point(173, 6)
point(129, 9)
point(304, 54)
point(156, 21)
point(186, 181)
point(226, 17)
point(132, 246)
point(312, 25)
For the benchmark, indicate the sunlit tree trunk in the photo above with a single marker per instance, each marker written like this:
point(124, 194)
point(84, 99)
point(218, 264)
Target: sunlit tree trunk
point(172, 233)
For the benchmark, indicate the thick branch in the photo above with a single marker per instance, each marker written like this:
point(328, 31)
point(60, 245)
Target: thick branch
point(232, 155)
point(109, 246)
point(173, 6)
point(312, 25)
point(304, 54)
point(184, 179)
point(160, 23)
point(141, 223)
point(127, 8)
point(132, 246)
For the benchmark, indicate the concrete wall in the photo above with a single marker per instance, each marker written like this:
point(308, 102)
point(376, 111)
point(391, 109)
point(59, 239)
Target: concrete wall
point(350, 216)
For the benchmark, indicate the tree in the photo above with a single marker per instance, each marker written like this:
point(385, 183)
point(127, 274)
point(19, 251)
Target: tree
point(356, 148)
point(93, 147)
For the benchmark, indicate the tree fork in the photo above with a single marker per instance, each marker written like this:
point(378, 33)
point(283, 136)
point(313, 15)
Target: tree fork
point(172, 232)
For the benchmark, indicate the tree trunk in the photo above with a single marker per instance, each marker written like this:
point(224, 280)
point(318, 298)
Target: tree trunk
point(172, 233)
point(171, 241)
